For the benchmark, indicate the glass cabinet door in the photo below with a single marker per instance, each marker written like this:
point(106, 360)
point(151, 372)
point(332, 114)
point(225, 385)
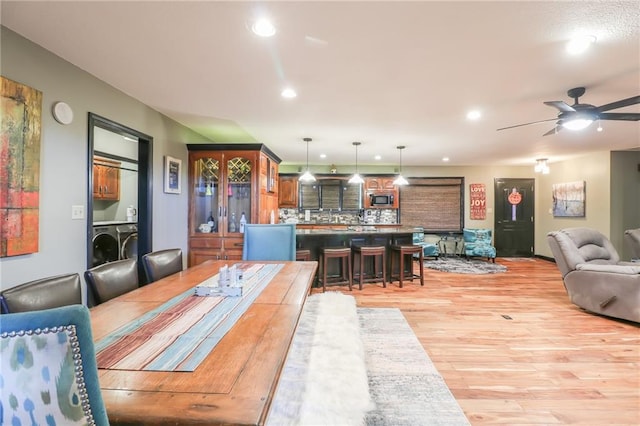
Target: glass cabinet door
point(239, 171)
point(207, 209)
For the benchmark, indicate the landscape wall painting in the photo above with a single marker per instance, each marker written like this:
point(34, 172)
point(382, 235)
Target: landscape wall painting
point(569, 199)
point(19, 168)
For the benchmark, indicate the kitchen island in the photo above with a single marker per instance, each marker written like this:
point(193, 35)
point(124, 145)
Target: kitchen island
point(347, 236)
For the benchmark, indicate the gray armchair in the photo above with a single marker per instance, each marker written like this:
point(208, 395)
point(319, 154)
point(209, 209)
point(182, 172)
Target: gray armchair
point(594, 277)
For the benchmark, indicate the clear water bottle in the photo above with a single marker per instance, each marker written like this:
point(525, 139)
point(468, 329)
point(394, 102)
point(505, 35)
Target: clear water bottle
point(243, 221)
point(232, 223)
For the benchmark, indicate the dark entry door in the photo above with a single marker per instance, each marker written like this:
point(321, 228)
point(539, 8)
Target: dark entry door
point(514, 207)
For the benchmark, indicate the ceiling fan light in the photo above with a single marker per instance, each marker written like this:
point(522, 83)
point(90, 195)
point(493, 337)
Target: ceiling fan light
point(577, 124)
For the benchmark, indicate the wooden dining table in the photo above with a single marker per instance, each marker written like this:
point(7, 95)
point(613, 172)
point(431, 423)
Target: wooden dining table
point(236, 381)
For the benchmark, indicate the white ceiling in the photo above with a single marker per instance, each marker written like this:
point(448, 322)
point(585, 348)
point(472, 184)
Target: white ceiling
point(384, 73)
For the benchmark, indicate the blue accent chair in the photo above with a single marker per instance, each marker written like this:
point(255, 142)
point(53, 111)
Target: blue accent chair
point(429, 248)
point(478, 243)
point(269, 241)
point(51, 350)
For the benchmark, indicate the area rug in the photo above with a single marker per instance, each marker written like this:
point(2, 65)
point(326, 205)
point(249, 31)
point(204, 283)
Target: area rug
point(460, 265)
point(405, 387)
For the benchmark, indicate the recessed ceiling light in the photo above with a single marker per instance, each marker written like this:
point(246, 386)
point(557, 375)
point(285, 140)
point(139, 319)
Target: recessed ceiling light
point(323, 155)
point(474, 115)
point(445, 159)
point(263, 28)
point(377, 157)
point(579, 44)
point(288, 93)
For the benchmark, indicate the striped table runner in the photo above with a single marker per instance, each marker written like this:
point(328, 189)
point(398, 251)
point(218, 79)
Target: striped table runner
point(178, 335)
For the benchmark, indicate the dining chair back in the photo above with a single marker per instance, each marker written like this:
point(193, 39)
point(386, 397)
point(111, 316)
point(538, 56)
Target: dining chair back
point(269, 242)
point(162, 263)
point(49, 371)
point(112, 279)
point(44, 293)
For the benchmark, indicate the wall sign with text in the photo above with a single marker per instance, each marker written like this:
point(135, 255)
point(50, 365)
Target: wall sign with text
point(478, 197)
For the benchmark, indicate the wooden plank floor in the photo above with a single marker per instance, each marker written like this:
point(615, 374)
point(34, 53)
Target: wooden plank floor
point(514, 350)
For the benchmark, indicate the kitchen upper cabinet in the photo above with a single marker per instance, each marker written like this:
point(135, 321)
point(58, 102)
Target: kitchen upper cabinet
point(106, 179)
point(227, 182)
point(288, 191)
point(379, 183)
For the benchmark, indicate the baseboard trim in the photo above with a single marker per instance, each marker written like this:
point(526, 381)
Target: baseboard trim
point(547, 258)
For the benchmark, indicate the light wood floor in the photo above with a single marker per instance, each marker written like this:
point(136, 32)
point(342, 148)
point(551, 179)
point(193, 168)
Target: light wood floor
point(514, 350)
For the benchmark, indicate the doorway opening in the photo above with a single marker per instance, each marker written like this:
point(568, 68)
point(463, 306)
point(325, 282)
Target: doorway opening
point(119, 212)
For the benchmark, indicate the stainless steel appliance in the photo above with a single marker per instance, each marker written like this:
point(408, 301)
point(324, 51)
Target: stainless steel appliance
point(114, 241)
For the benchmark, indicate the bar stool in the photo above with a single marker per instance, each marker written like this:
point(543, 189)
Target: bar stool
point(303, 254)
point(378, 253)
point(344, 255)
point(401, 252)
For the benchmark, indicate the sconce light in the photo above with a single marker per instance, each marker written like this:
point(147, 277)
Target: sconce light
point(541, 166)
point(400, 180)
point(307, 176)
point(356, 178)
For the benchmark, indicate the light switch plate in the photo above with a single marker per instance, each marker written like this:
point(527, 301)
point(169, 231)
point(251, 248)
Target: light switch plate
point(77, 212)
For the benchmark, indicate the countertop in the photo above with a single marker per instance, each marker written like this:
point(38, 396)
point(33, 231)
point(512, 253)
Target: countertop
point(358, 230)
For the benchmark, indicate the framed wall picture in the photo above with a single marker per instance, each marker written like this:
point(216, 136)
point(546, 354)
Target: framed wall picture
point(569, 199)
point(172, 175)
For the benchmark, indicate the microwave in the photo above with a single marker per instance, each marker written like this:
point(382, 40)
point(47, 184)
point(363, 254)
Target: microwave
point(381, 200)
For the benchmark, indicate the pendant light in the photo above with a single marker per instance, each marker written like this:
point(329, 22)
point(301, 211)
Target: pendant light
point(541, 166)
point(307, 176)
point(400, 180)
point(356, 178)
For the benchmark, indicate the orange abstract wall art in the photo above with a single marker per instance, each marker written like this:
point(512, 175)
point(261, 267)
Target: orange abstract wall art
point(19, 168)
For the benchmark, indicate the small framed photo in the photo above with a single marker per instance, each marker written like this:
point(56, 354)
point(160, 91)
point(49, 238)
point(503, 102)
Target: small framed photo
point(172, 175)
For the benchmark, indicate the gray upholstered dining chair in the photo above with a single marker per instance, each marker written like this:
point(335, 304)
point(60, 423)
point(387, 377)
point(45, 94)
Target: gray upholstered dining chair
point(112, 279)
point(49, 371)
point(162, 263)
point(269, 241)
point(44, 293)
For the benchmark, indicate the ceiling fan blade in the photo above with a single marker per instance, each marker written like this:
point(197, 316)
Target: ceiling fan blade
point(526, 124)
point(553, 131)
point(621, 103)
point(560, 105)
point(624, 116)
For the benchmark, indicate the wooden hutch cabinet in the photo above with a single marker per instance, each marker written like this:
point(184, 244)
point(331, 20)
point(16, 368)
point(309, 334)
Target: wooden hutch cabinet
point(288, 191)
point(106, 179)
point(227, 181)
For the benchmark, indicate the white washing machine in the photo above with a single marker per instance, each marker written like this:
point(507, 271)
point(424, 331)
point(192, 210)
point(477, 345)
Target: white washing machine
point(127, 241)
point(105, 244)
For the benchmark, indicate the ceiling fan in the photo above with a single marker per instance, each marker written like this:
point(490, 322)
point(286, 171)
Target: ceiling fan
point(579, 116)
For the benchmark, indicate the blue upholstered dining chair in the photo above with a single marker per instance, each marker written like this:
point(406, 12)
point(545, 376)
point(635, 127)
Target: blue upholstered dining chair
point(269, 242)
point(48, 372)
point(478, 243)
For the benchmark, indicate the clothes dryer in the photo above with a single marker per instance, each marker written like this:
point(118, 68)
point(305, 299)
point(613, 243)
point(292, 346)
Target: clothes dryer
point(127, 240)
point(105, 244)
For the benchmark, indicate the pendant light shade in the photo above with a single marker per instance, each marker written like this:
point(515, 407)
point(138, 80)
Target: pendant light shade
point(400, 180)
point(356, 178)
point(307, 176)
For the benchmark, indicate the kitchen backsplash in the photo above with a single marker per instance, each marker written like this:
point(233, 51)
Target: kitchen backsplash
point(369, 216)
